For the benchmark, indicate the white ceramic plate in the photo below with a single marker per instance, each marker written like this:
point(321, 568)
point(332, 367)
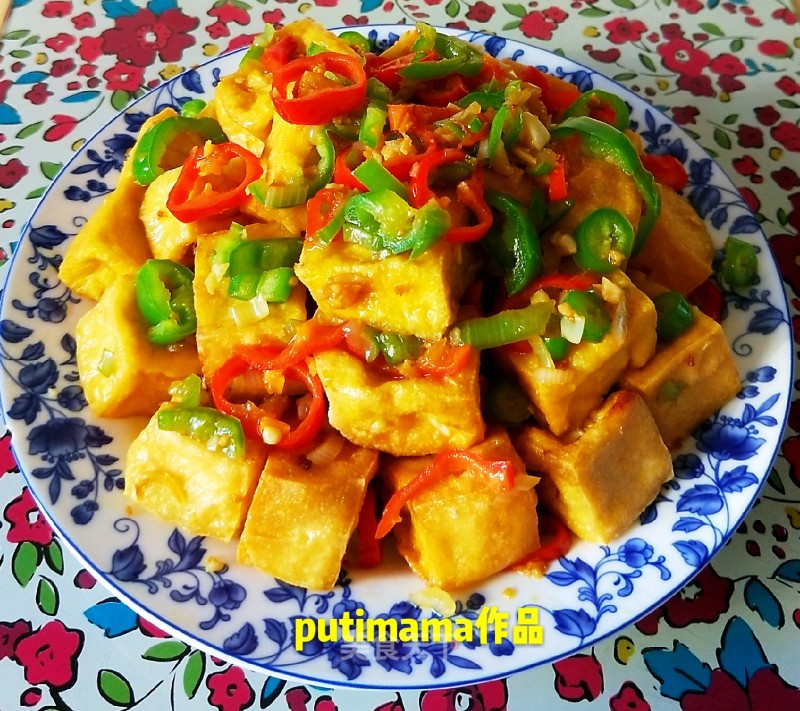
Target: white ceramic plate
point(72, 459)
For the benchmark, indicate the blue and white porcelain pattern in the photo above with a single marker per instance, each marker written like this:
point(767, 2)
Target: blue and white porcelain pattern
point(73, 461)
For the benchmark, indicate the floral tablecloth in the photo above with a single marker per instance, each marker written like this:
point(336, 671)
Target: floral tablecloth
point(727, 72)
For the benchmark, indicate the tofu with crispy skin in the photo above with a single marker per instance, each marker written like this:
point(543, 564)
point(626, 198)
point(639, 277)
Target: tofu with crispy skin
point(183, 481)
point(303, 515)
point(122, 372)
point(590, 369)
point(687, 379)
point(599, 481)
point(463, 529)
point(401, 415)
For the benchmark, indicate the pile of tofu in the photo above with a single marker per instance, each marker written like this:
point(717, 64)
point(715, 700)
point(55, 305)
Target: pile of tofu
point(595, 450)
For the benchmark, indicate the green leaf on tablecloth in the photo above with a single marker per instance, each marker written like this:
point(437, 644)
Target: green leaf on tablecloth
point(10, 150)
point(626, 4)
point(16, 35)
point(33, 39)
point(774, 480)
point(712, 29)
point(452, 8)
point(731, 119)
point(647, 61)
point(722, 139)
point(20, 53)
point(53, 555)
point(510, 26)
point(783, 219)
point(167, 651)
point(35, 194)
point(625, 76)
point(193, 673)
point(737, 45)
point(120, 99)
point(47, 596)
point(593, 12)
point(114, 688)
point(790, 570)
point(787, 104)
point(761, 600)
point(25, 561)
point(50, 169)
point(30, 129)
point(515, 9)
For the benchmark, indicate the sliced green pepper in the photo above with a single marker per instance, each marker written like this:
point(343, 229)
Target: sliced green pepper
point(604, 141)
point(740, 263)
point(557, 346)
point(457, 57)
point(190, 109)
point(371, 129)
point(356, 40)
point(152, 147)
point(503, 328)
point(397, 348)
point(374, 176)
point(221, 432)
point(186, 392)
point(514, 246)
point(674, 315)
point(275, 196)
point(604, 240)
point(382, 220)
point(252, 260)
point(597, 100)
point(486, 99)
point(166, 300)
point(592, 309)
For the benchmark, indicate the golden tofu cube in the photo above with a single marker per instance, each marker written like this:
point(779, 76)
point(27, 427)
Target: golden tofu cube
point(679, 250)
point(302, 516)
point(463, 529)
point(243, 106)
point(598, 183)
point(599, 482)
point(183, 481)
point(224, 322)
point(390, 292)
point(687, 379)
point(401, 416)
point(122, 372)
point(590, 369)
point(113, 241)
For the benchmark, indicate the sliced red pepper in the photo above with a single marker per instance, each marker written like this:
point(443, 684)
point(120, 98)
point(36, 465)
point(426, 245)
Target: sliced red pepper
point(666, 169)
point(444, 91)
point(400, 165)
point(445, 464)
point(491, 69)
point(420, 191)
point(280, 52)
point(310, 337)
point(213, 179)
point(557, 94)
point(417, 119)
point(558, 542)
point(322, 105)
point(369, 547)
point(323, 207)
point(387, 70)
point(443, 359)
point(708, 297)
point(251, 415)
point(562, 282)
point(343, 173)
point(557, 181)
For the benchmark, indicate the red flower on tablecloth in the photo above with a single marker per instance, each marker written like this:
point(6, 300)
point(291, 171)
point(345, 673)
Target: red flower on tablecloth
point(681, 56)
point(60, 67)
point(7, 461)
point(787, 134)
point(10, 634)
point(628, 698)
point(124, 77)
point(775, 48)
point(767, 115)
point(63, 125)
point(579, 677)
point(229, 690)
point(537, 25)
point(791, 446)
point(765, 690)
point(704, 599)
point(622, 30)
point(229, 12)
point(276, 17)
point(683, 115)
point(27, 522)
point(50, 655)
point(38, 93)
point(748, 167)
point(480, 12)
point(164, 36)
point(691, 6)
point(788, 85)
point(57, 8)
point(486, 696)
point(60, 43)
point(749, 136)
point(786, 178)
point(83, 21)
point(31, 697)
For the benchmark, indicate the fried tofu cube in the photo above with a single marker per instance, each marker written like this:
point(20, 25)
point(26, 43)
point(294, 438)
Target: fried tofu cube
point(401, 416)
point(243, 106)
point(113, 241)
point(224, 322)
point(463, 529)
point(389, 292)
point(679, 251)
point(687, 379)
point(599, 482)
point(302, 517)
point(122, 372)
point(590, 369)
point(182, 480)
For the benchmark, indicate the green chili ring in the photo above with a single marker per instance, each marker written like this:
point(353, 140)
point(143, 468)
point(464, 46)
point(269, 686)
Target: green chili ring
point(604, 239)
